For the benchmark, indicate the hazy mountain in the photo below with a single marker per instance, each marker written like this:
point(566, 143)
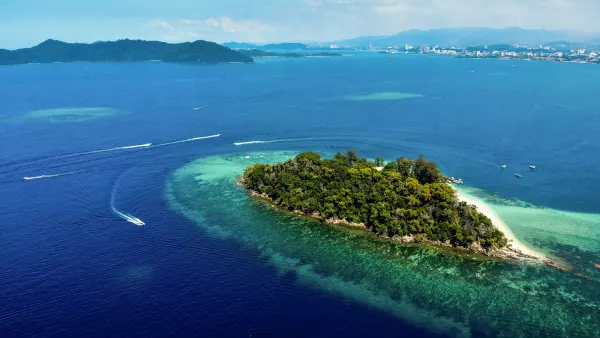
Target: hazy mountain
point(256, 53)
point(285, 46)
point(271, 46)
point(123, 51)
point(240, 45)
point(464, 37)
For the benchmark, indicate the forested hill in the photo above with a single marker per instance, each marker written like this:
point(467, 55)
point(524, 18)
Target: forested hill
point(404, 198)
point(123, 51)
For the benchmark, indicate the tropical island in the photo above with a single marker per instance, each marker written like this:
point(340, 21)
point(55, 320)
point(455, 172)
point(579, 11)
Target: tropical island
point(51, 51)
point(404, 200)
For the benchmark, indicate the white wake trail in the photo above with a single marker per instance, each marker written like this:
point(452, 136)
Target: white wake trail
point(272, 141)
point(187, 140)
point(137, 146)
point(202, 107)
point(29, 178)
point(113, 208)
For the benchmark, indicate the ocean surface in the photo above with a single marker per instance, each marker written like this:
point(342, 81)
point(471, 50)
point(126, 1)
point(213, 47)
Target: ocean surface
point(106, 145)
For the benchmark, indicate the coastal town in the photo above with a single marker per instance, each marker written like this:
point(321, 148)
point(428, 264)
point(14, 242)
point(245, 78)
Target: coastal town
point(554, 52)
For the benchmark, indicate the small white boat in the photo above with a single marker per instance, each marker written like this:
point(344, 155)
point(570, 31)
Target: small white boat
point(518, 175)
point(456, 181)
point(504, 166)
point(262, 156)
point(532, 167)
point(247, 157)
point(137, 221)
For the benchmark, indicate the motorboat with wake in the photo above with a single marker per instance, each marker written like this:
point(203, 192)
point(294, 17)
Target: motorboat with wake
point(136, 221)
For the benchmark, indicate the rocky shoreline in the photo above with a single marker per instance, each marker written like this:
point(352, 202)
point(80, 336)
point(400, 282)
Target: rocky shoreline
point(503, 253)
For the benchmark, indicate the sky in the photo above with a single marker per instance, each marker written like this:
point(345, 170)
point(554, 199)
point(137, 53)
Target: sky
point(24, 23)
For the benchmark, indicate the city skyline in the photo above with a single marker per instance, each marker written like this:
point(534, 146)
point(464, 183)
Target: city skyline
point(26, 24)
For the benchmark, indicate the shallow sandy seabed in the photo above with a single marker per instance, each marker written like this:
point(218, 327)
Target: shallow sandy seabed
point(454, 294)
point(68, 114)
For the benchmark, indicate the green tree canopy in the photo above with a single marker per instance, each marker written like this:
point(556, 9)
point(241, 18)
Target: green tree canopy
point(426, 171)
point(406, 198)
point(310, 156)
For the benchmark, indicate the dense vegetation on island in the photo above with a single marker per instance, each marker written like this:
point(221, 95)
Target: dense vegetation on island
point(123, 51)
point(404, 198)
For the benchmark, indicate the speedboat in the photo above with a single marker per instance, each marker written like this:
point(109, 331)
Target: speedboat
point(504, 166)
point(137, 221)
point(247, 157)
point(518, 175)
point(532, 167)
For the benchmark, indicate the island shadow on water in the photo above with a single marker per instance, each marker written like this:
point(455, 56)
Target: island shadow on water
point(459, 295)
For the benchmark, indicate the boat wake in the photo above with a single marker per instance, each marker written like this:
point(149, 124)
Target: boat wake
point(272, 141)
point(202, 107)
point(187, 140)
point(138, 146)
point(23, 165)
point(30, 178)
point(129, 218)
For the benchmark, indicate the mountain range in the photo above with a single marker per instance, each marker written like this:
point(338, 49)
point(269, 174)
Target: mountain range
point(466, 37)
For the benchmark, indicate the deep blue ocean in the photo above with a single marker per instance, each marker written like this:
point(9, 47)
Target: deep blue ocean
point(72, 267)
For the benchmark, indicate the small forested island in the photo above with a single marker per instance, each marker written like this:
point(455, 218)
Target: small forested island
point(406, 200)
point(123, 51)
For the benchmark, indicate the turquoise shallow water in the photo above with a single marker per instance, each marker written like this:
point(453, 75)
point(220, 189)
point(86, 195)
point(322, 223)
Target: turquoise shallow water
point(438, 289)
point(211, 260)
point(571, 236)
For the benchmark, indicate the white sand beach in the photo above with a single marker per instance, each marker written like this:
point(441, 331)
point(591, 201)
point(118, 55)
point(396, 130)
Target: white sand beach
point(515, 244)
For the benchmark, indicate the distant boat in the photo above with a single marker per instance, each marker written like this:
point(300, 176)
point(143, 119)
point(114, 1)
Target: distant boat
point(247, 157)
point(518, 175)
point(456, 180)
point(532, 167)
point(504, 166)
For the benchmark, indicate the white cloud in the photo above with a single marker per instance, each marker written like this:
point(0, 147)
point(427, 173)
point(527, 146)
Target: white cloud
point(326, 20)
point(387, 16)
point(164, 25)
point(318, 4)
point(215, 28)
point(228, 25)
point(276, 20)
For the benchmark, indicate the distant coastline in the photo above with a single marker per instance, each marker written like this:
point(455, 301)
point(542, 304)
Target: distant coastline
point(258, 53)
